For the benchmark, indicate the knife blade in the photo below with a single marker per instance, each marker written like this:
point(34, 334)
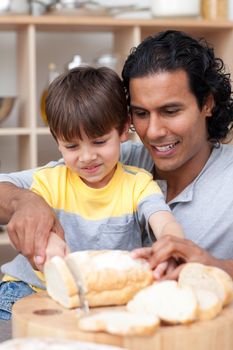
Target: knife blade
point(84, 306)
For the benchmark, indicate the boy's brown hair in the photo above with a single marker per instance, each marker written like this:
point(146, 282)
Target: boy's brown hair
point(86, 99)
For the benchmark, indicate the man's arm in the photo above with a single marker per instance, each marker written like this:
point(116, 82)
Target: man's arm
point(29, 221)
point(183, 250)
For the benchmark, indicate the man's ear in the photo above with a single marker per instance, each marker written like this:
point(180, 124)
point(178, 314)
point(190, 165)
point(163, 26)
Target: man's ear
point(125, 133)
point(209, 105)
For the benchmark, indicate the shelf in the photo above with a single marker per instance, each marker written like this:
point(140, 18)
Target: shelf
point(43, 131)
point(14, 131)
point(50, 22)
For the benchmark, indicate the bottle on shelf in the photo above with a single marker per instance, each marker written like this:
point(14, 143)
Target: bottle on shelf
point(77, 60)
point(52, 74)
point(214, 9)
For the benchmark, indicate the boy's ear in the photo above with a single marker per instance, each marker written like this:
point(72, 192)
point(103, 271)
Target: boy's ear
point(125, 133)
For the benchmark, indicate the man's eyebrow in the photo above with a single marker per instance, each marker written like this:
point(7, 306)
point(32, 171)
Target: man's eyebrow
point(166, 105)
point(137, 107)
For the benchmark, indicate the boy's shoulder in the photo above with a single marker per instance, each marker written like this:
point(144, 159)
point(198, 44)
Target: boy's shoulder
point(53, 170)
point(134, 170)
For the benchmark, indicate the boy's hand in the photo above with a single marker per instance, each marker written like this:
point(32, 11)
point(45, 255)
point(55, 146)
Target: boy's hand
point(56, 247)
point(164, 269)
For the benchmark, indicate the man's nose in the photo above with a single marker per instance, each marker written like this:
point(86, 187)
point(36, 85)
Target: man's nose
point(156, 127)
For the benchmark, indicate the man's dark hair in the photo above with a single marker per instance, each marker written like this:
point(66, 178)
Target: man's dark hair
point(86, 99)
point(174, 50)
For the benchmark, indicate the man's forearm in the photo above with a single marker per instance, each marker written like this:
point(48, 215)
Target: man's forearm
point(10, 195)
point(226, 265)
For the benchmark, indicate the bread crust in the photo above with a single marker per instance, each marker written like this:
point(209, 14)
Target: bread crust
point(109, 277)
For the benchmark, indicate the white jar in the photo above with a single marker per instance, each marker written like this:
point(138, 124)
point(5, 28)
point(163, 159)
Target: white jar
point(20, 6)
point(230, 10)
point(175, 8)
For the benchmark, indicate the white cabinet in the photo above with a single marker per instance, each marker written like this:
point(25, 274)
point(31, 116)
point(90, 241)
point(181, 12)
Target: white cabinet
point(30, 139)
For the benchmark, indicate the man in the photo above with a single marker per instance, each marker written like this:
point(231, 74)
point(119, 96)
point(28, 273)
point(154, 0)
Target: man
point(181, 107)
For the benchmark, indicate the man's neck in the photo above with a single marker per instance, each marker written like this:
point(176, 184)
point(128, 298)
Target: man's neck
point(179, 179)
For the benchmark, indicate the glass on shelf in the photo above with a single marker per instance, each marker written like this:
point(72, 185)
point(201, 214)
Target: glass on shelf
point(52, 74)
point(6, 106)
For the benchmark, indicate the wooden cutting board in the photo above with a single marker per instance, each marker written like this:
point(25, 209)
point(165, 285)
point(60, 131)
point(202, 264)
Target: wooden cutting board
point(39, 315)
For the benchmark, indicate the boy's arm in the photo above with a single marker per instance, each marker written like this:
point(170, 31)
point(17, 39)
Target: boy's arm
point(56, 247)
point(164, 223)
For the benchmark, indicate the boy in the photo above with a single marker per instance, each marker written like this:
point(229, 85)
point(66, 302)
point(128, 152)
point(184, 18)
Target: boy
point(100, 203)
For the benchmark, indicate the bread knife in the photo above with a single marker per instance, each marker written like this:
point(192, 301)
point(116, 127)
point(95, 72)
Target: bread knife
point(81, 290)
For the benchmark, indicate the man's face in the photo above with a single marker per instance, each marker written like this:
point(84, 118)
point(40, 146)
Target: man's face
point(169, 122)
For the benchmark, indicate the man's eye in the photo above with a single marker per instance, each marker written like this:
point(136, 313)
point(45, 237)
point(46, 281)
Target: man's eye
point(139, 114)
point(171, 111)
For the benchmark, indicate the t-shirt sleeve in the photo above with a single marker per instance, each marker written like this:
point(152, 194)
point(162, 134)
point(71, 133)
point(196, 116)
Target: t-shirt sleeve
point(149, 199)
point(22, 179)
point(42, 186)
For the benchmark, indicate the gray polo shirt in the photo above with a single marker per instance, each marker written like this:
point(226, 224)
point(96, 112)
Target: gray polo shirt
point(204, 208)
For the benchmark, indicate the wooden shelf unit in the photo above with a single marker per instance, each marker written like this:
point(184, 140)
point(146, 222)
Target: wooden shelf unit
point(126, 34)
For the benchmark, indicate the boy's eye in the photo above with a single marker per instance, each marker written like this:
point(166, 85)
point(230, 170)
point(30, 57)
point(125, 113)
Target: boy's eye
point(71, 146)
point(99, 142)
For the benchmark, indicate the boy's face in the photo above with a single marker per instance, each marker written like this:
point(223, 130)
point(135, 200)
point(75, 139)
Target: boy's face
point(169, 122)
point(94, 160)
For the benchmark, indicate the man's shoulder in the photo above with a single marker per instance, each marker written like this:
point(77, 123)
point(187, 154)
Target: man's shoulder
point(135, 154)
point(222, 156)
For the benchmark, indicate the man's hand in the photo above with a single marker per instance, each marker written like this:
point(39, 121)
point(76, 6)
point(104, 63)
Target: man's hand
point(30, 225)
point(183, 251)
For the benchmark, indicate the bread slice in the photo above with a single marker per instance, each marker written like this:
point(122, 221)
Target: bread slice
point(209, 305)
point(120, 323)
point(109, 277)
point(166, 300)
point(199, 276)
point(60, 283)
point(223, 277)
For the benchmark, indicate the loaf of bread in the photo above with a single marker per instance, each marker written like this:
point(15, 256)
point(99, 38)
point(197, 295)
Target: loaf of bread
point(110, 277)
point(52, 344)
point(119, 322)
point(166, 300)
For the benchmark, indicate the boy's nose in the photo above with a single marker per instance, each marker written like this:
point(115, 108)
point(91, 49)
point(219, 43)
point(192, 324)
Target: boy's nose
point(87, 155)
